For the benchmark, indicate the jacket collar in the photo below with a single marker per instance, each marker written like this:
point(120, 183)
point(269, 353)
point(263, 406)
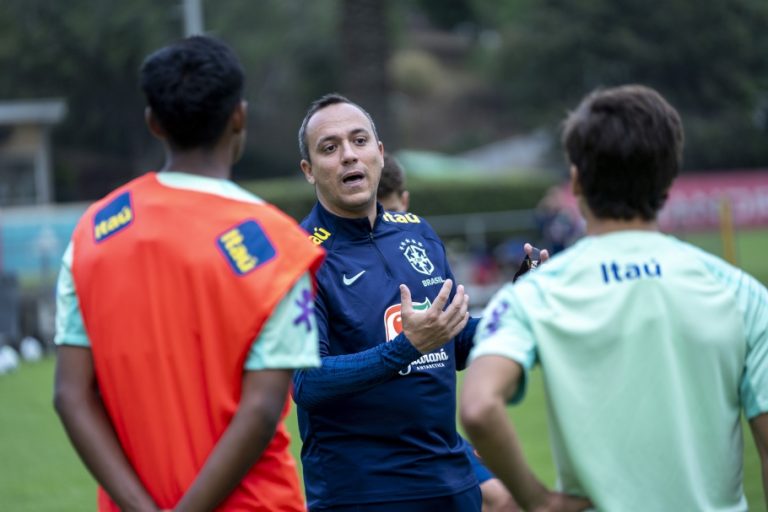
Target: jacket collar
point(349, 229)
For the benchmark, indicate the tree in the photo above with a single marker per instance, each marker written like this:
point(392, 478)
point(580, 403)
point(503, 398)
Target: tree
point(365, 51)
point(90, 52)
point(708, 59)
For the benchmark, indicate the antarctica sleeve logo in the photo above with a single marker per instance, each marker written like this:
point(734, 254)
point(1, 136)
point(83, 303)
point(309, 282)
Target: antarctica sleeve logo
point(114, 217)
point(245, 247)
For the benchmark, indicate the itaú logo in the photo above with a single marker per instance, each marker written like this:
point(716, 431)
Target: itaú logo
point(246, 247)
point(393, 324)
point(319, 235)
point(114, 217)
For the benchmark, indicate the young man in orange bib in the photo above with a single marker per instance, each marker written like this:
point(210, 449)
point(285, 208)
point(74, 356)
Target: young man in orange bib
point(184, 305)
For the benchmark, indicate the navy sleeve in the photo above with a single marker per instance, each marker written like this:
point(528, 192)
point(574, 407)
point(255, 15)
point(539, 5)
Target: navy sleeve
point(321, 317)
point(349, 373)
point(346, 374)
point(465, 340)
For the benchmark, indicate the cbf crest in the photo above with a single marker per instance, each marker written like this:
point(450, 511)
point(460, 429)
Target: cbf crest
point(416, 255)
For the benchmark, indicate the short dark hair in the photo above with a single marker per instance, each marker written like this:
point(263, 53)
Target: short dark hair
point(392, 177)
point(319, 104)
point(626, 143)
point(193, 86)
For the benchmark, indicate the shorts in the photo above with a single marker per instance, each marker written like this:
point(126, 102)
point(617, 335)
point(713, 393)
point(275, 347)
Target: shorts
point(467, 501)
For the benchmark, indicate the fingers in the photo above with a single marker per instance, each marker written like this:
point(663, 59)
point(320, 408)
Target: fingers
point(528, 248)
point(460, 320)
point(460, 303)
point(531, 252)
point(406, 304)
point(442, 298)
point(427, 330)
point(457, 313)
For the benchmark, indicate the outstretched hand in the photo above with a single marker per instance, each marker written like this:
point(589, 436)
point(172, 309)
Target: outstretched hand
point(531, 251)
point(533, 258)
point(429, 330)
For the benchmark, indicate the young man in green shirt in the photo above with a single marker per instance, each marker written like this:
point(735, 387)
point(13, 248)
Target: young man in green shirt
point(650, 348)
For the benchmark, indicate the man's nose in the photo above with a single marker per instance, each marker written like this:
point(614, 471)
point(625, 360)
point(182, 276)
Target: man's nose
point(349, 152)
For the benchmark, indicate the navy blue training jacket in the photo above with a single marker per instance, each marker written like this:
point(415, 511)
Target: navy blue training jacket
point(377, 421)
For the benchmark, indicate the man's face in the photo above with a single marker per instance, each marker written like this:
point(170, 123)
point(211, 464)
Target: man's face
point(346, 160)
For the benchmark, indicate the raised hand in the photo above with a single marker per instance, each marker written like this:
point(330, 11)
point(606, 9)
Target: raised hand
point(533, 258)
point(530, 251)
point(430, 329)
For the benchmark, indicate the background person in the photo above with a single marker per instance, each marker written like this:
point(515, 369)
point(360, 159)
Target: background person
point(558, 228)
point(393, 196)
point(650, 348)
point(184, 304)
point(391, 192)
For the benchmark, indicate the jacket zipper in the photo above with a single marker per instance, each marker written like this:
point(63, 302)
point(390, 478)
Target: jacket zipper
point(381, 255)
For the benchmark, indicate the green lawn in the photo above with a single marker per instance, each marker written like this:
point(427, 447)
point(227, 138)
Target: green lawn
point(751, 249)
point(40, 472)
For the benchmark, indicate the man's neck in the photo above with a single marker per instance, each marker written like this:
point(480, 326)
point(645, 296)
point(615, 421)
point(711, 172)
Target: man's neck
point(600, 226)
point(603, 226)
point(198, 162)
point(370, 214)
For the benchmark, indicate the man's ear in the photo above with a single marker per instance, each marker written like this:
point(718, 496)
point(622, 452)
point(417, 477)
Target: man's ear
point(575, 185)
point(406, 199)
point(239, 118)
point(306, 168)
point(155, 128)
point(381, 153)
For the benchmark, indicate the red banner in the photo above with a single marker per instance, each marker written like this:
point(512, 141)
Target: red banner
point(696, 201)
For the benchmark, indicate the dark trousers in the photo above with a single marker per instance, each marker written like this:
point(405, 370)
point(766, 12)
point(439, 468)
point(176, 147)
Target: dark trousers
point(467, 501)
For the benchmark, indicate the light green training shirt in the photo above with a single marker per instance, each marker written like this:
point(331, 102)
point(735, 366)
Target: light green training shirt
point(649, 349)
point(281, 343)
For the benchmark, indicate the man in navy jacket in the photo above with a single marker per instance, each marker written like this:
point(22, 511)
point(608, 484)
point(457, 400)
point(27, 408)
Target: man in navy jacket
point(377, 420)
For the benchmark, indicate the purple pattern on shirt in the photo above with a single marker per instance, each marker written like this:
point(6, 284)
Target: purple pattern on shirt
point(493, 324)
point(306, 307)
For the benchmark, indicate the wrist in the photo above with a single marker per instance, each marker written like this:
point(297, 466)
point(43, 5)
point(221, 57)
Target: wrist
point(536, 496)
point(399, 353)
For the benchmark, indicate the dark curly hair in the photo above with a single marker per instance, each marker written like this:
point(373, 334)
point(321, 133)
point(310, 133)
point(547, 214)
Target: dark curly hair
point(193, 86)
point(626, 143)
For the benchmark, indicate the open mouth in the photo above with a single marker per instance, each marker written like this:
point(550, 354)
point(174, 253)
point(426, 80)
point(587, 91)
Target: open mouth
point(353, 178)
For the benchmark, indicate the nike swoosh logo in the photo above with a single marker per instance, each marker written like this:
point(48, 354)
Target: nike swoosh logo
point(349, 280)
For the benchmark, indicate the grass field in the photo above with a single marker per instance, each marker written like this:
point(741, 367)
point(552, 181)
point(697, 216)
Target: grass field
point(40, 472)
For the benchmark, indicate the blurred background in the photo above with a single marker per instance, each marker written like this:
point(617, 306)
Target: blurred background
point(468, 94)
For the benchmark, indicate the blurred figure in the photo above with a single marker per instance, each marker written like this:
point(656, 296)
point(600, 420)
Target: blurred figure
point(9, 359)
point(558, 229)
point(393, 196)
point(184, 304)
point(391, 192)
point(31, 349)
point(650, 348)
